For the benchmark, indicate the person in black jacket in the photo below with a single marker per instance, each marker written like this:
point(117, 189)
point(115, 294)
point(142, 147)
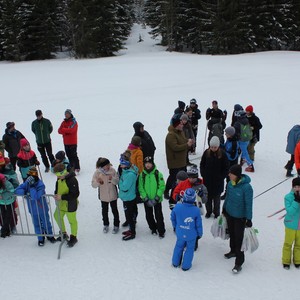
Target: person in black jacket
point(195, 117)
point(214, 169)
point(11, 139)
point(180, 109)
point(255, 125)
point(147, 144)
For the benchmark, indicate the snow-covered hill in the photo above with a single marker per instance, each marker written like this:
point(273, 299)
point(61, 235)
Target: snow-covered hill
point(107, 96)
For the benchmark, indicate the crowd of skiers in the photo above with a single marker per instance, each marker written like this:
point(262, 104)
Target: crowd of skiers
point(138, 180)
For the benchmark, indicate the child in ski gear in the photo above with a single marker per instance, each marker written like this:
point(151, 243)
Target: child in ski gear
point(147, 144)
point(255, 126)
point(68, 129)
point(7, 200)
point(60, 157)
point(181, 176)
point(151, 188)
point(186, 220)
point(242, 128)
point(11, 139)
point(237, 209)
point(106, 180)
point(292, 139)
point(127, 193)
point(136, 157)
point(42, 128)
point(66, 193)
point(214, 169)
point(291, 246)
point(34, 190)
point(26, 158)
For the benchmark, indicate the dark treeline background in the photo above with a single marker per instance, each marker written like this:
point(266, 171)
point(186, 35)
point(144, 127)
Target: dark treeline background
point(37, 29)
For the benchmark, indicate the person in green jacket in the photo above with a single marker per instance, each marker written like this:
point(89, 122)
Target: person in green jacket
point(291, 246)
point(151, 187)
point(6, 205)
point(42, 128)
point(66, 193)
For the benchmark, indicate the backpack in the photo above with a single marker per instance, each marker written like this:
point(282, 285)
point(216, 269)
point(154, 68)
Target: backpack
point(246, 133)
point(217, 130)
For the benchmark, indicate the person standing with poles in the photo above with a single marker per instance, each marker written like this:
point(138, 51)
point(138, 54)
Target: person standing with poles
point(42, 128)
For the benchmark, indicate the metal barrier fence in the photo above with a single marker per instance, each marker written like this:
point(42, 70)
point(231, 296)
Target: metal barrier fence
point(35, 218)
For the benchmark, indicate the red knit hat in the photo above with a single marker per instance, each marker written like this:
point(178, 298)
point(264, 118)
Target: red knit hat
point(23, 143)
point(249, 108)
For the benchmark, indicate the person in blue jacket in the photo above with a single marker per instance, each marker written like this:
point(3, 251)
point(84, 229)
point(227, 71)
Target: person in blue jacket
point(237, 209)
point(291, 246)
point(187, 222)
point(127, 193)
point(34, 189)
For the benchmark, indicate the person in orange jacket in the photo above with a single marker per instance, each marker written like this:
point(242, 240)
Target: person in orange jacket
point(68, 129)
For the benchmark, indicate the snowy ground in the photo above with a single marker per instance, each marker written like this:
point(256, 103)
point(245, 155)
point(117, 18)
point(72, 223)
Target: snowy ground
point(107, 96)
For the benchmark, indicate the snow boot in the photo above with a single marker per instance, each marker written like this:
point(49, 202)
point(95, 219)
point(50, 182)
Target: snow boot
point(236, 269)
point(286, 266)
point(250, 168)
point(128, 237)
point(289, 173)
point(297, 266)
point(105, 229)
point(65, 237)
point(242, 161)
point(229, 255)
point(41, 243)
point(115, 230)
point(73, 240)
point(125, 224)
point(51, 239)
point(127, 232)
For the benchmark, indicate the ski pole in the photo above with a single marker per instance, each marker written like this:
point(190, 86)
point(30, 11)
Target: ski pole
point(276, 212)
point(272, 187)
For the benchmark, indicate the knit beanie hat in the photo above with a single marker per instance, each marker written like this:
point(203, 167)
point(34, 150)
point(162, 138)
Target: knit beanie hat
point(137, 126)
point(181, 175)
point(136, 141)
point(214, 142)
point(193, 101)
point(189, 196)
point(230, 131)
point(236, 170)
point(192, 171)
point(68, 111)
point(33, 172)
point(23, 143)
point(60, 155)
point(148, 159)
point(249, 109)
point(296, 181)
point(184, 117)
point(176, 119)
point(238, 107)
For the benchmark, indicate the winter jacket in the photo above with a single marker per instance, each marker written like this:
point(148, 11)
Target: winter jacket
point(239, 198)
point(188, 131)
point(292, 217)
point(256, 126)
point(108, 189)
point(68, 129)
point(198, 186)
point(231, 148)
point(214, 113)
point(176, 148)
point(69, 190)
point(10, 175)
point(147, 144)
point(42, 129)
point(12, 142)
point(151, 184)
point(136, 157)
point(292, 139)
point(214, 168)
point(26, 160)
point(195, 116)
point(36, 203)
point(187, 221)
point(7, 193)
point(180, 109)
point(127, 184)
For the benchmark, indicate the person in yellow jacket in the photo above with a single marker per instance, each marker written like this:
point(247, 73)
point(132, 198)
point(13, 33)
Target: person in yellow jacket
point(66, 193)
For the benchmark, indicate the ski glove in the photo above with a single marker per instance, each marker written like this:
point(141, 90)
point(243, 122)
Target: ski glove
point(248, 223)
point(157, 199)
point(151, 203)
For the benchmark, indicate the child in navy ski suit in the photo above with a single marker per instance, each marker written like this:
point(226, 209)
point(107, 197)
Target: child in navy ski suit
point(186, 220)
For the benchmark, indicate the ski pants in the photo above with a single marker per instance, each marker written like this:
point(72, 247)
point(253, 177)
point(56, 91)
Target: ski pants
point(43, 148)
point(183, 253)
point(6, 215)
point(71, 152)
point(213, 205)
point(130, 214)
point(291, 247)
point(157, 223)
point(236, 228)
point(71, 216)
point(115, 212)
point(245, 154)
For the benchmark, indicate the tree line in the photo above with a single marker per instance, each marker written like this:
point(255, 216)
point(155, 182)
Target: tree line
point(225, 26)
point(37, 29)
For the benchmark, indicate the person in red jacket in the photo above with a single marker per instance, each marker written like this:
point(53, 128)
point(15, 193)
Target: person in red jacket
point(68, 129)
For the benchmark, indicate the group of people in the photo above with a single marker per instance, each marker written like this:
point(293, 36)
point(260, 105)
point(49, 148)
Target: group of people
point(138, 179)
